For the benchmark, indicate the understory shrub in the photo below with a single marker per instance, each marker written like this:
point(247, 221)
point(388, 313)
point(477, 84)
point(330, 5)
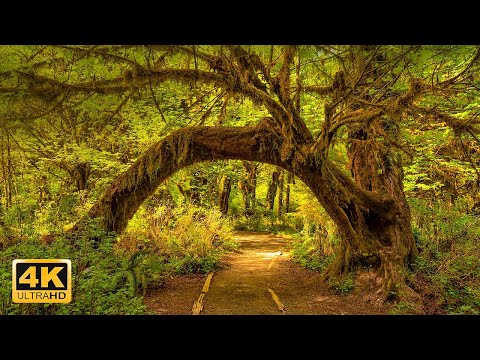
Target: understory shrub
point(100, 276)
point(166, 240)
point(448, 266)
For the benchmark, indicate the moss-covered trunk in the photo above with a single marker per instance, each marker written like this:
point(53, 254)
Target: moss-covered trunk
point(224, 194)
point(290, 180)
point(377, 237)
point(81, 173)
point(280, 193)
point(248, 187)
point(272, 191)
point(7, 173)
point(197, 182)
point(180, 149)
point(383, 244)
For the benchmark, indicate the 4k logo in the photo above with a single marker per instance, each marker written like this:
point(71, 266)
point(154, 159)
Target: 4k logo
point(41, 281)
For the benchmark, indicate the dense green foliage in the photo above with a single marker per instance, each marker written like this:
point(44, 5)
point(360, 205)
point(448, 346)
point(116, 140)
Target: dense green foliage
point(110, 277)
point(448, 267)
point(101, 278)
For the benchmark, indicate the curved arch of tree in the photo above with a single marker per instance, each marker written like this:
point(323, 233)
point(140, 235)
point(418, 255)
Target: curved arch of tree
point(362, 106)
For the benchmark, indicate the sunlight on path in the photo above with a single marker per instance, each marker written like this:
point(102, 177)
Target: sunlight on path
point(257, 279)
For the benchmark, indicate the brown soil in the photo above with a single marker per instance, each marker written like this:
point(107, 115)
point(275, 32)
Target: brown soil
point(241, 287)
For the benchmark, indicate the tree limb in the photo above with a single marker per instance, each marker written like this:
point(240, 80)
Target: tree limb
point(318, 89)
point(472, 62)
point(358, 116)
point(384, 205)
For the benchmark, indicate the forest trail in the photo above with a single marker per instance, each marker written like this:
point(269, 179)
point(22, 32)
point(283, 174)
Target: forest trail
point(242, 286)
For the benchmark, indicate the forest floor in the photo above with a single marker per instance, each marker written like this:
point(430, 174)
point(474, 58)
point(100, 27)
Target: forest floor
point(241, 286)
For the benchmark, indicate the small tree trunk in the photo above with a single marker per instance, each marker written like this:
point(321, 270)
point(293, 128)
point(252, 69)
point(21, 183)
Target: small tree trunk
point(290, 180)
point(272, 191)
point(81, 173)
point(43, 192)
point(280, 193)
point(248, 187)
point(224, 194)
point(196, 184)
point(2, 211)
point(7, 172)
point(185, 193)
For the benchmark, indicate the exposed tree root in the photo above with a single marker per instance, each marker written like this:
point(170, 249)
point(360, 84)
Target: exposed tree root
point(388, 283)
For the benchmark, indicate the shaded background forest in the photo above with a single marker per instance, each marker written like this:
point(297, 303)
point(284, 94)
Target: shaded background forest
point(59, 152)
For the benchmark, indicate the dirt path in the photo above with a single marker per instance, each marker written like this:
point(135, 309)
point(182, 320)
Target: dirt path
point(241, 287)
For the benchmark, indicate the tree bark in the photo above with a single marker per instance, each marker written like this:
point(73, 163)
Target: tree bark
point(43, 192)
point(380, 243)
point(82, 173)
point(7, 173)
point(224, 194)
point(79, 172)
point(280, 193)
point(2, 211)
point(290, 180)
point(384, 245)
point(180, 149)
point(271, 192)
point(248, 187)
point(197, 182)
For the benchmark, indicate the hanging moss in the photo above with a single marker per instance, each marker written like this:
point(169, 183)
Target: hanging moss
point(150, 167)
point(183, 148)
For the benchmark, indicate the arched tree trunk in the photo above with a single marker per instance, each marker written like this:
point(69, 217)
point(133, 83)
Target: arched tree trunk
point(180, 149)
point(370, 223)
